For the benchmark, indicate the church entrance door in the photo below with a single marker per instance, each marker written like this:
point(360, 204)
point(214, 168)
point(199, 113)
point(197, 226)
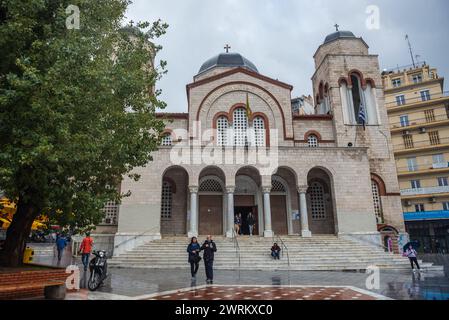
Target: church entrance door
point(279, 214)
point(210, 215)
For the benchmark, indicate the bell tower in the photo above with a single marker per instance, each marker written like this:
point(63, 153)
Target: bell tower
point(347, 84)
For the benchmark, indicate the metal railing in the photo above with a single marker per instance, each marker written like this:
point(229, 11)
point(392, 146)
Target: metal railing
point(429, 120)
point(136, 236)
point(236, 245)
point(418, 99)
point(422, 167)
point(420, 144)
point(406, 67)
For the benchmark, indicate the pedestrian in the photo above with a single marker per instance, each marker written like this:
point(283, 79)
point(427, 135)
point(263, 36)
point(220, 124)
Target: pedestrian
point(275, 251)
point(251, 222)
point(61, 243)
point(237, 223)
point(194, 256)
point(411, 254)
point(86, 249)
point(209, 247)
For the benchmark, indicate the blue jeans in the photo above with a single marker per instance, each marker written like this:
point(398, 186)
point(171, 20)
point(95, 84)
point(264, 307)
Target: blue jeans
point(275, 254)
point(85, 259)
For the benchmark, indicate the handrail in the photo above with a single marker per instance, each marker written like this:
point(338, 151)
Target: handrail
point(285, 247)
point(369, 242)
point(135, 237)
point(236, 245)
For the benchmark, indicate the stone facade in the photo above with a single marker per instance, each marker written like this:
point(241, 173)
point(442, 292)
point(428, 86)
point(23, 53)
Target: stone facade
point(307, 174)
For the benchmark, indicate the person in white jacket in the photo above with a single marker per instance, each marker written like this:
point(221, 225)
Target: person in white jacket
point(411, 254)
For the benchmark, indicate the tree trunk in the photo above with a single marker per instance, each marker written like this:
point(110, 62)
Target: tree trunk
point(17, 235)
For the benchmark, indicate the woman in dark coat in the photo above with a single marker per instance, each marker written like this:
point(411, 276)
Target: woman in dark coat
point(194, 256)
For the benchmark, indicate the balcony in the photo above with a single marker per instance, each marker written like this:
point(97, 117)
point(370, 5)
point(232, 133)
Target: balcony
point(421, 122)
point(424, 191)
point(424, 169)
point(411, 146)
point(416, 101)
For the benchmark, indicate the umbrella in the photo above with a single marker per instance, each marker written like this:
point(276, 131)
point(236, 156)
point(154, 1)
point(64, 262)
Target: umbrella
point(415, 244)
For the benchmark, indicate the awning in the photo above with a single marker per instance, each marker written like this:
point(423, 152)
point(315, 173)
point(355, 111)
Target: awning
point(426, 215)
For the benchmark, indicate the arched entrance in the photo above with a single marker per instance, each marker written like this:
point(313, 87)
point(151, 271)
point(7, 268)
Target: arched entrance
point(211, 192)
point(320, 202)
point(174, 201)
point(283, 200)
point(247, 198)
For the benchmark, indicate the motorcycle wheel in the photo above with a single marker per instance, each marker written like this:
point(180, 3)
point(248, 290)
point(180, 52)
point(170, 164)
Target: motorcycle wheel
point(94, 281)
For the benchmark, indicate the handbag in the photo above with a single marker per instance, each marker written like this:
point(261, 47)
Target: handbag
point(197, 258)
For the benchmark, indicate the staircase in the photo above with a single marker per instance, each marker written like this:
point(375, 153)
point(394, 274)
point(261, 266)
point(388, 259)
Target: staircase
point(317, 253)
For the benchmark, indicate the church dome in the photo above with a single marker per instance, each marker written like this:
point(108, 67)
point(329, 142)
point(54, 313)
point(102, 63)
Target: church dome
point(339, 35)
point(228, 60)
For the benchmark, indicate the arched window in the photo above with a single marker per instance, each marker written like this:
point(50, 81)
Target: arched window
point(222, 131)
point(312, 141)
point(166, 200)
point(317, 204)
point(259, 131)
point(240, 126)
point(377, 201)
point(167, 140)
point(358, 98)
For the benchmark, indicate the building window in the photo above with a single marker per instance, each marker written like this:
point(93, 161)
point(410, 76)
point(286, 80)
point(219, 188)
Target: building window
point(400, 100)
point(404, 121)
point(110, 213)
point(166, 201)
point(312, 141)
point(211, 185)
point(416, 184)
point(357, 98)
point(417, 78)
point(438, 161)
point(412, 164)
point(446, 206)
point(419, 207)
point(317, 204)
point(167, 140)
point(396, 82)
point(259, 131)
point(434, 138)
point(425, 95)
point(430, 115)
point(408, 141)
point(377, 201)
point(442, 182)
point(222, 131)
point(240, 121)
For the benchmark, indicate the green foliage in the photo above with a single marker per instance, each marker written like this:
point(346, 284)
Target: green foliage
point(77, 107)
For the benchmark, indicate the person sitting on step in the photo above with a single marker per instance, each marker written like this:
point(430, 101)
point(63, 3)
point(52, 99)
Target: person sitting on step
point(275, 251)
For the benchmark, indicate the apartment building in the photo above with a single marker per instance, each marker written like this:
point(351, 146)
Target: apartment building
point(418, 111)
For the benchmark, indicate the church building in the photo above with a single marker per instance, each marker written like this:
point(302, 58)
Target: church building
point(240, 148)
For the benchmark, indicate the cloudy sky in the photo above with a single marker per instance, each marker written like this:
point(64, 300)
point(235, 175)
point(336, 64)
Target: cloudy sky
point(281, 36)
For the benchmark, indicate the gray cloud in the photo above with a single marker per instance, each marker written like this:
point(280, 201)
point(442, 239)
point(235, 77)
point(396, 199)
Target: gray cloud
point(281, 36)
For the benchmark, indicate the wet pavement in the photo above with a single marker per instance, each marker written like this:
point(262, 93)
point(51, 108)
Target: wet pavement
point(140, 283)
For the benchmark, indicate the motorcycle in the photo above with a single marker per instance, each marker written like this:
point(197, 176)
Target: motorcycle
point(98, 270)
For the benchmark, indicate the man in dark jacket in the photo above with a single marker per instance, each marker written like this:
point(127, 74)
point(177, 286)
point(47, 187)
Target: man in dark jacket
point(209, 248)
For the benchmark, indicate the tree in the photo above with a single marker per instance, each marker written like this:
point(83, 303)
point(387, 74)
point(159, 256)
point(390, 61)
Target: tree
point(77, 109)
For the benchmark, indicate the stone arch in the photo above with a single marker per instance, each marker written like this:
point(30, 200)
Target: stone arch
point(211, 209)
point(253, 88)
point(174, 205)
point(321, 201)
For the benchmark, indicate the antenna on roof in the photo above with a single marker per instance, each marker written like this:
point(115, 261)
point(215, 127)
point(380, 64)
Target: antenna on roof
point(410, 49)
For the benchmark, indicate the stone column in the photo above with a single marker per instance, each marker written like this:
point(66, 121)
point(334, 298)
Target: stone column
point(230, 213)
point(193, 230)
point(268, 232)
point(305, 231)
